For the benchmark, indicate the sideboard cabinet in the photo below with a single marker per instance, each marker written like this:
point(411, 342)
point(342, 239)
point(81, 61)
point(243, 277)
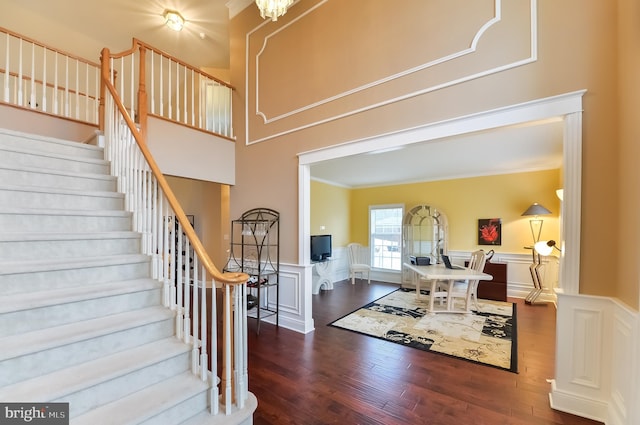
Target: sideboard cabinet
point(495, 289)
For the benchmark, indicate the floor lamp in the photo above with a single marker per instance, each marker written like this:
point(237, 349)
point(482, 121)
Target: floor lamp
point(535, 223)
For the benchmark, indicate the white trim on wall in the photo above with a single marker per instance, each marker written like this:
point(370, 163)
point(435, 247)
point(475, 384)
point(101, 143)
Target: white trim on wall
point(567, 107)
point(530, 57)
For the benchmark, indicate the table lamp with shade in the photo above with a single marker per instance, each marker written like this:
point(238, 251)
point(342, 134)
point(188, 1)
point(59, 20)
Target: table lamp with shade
point(535, 223)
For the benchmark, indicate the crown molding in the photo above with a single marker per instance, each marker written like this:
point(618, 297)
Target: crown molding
point(237, 6)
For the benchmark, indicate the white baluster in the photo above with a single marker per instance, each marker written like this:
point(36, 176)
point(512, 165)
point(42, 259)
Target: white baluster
point(19, 102)
point(66, 87)
point(7, 74)
point(195, 357)
point(187, 289)
point(215, 392)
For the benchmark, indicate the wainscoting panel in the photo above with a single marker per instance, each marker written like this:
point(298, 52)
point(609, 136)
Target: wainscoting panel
point(295, 306)
point(596, 359)
point(624, 405)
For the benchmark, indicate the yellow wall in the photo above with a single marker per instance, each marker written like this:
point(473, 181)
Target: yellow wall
point(464, 201)
point(330, 208)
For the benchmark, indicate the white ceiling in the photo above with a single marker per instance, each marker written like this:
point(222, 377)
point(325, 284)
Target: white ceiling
point(533, 147)
point(113, 24)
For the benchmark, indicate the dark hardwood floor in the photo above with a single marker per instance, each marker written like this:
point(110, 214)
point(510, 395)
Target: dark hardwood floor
point(333, 376)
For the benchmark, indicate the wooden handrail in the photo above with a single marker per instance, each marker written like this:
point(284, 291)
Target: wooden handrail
point(139, 43)
point(38, 43)
point(229, 278)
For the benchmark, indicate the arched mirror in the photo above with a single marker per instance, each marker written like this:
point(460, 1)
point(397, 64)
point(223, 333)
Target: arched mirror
point(424, 234)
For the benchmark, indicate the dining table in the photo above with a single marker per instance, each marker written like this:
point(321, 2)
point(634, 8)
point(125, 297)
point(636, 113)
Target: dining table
point(437, 274)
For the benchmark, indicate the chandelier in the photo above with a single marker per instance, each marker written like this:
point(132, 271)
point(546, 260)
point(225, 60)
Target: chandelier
point(273, 8)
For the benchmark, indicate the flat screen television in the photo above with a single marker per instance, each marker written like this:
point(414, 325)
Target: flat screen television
point(320, 247)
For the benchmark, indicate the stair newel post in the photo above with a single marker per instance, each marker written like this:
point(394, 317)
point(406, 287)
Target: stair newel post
point(142, 94)
point(227, 358)
point(104, 71)
point(240, 339)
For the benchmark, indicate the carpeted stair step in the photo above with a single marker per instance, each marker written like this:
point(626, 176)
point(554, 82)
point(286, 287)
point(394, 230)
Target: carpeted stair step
point(31, 311)
point(16, 246)
point(39, 197)
point(59, 220)
point(52, 161)
point(106, 379)
point(28, 355)
point(37, 143)
point(37, 176)
point(166, 403)
point(38, 275)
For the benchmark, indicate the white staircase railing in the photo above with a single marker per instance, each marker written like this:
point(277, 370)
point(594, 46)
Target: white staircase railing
point(45, 79)
point(179, 261)
point(152, 82)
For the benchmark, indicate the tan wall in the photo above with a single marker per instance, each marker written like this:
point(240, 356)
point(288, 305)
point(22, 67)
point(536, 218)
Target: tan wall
point(22, 119)
point(627, 287)
point(208, 203)
point(576, 42)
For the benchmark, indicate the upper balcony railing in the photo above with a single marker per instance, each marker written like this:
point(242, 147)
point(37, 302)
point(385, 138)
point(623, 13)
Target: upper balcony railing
point(149, 82)
point(152, 82)
point(45, 79)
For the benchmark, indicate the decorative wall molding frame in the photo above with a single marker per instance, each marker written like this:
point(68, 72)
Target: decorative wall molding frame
point(295, 300)
point(597, 373)
point(530, 56)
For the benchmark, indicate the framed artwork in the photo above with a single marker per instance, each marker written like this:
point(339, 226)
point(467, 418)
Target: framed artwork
point(489, 231)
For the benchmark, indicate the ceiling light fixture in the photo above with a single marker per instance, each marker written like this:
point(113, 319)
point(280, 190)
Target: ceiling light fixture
point(273, 8)
point(173, 20)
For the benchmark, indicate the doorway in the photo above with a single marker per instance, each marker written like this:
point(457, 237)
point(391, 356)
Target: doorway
point(566, 108)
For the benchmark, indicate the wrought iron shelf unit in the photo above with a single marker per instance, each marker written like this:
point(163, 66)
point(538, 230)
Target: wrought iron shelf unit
point(255, 250)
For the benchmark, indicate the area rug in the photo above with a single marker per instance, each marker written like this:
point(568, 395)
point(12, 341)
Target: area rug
point(486, 337)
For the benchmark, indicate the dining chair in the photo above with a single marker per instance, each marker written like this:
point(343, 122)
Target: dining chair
point(358, 263)
point(468, 289)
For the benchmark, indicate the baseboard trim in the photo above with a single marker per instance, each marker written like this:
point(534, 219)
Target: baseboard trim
point(577, 404)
